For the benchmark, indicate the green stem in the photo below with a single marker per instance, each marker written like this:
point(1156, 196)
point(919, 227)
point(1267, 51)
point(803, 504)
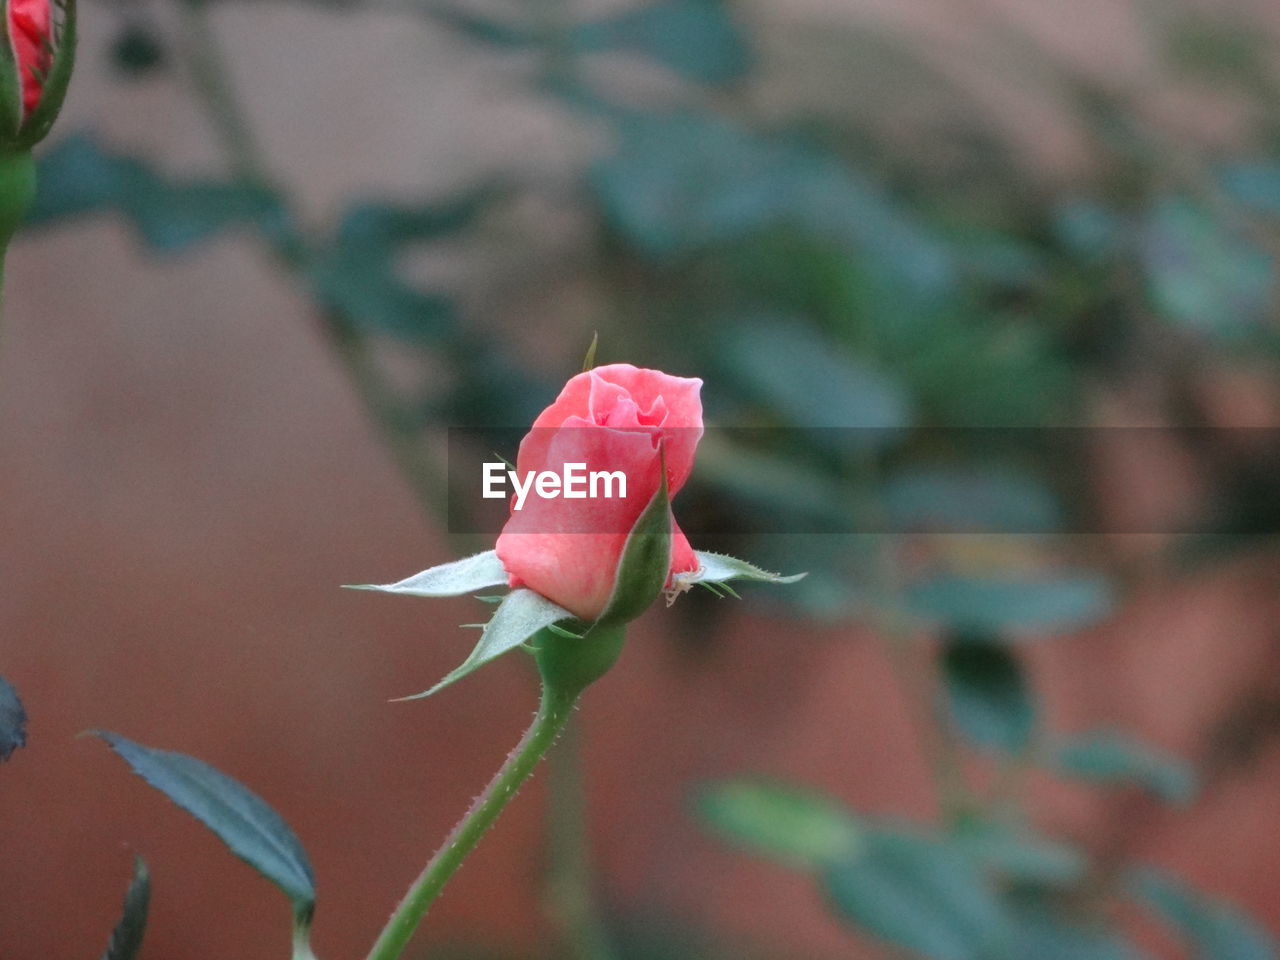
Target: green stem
point(426, 476)
point(211, 78)
point(553, 713)
point(889, 619)
point(226, 114)
point(423, 472)
point(17, 190)
point(302, 940)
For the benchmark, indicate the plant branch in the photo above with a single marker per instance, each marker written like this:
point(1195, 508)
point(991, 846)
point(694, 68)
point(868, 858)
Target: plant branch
point(553, 712)
point(888, 619)
point(212, 82)
point(226, 114)
point(574, 905)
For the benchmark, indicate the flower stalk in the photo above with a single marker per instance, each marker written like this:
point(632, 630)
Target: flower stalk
point(563, 680)
point(302, 938)
point(573, 594)
point(17, 190)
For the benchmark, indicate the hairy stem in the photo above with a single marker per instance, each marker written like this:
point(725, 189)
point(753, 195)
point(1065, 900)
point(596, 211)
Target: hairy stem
point(553, 713)
point(421, 470)
point(887, 617)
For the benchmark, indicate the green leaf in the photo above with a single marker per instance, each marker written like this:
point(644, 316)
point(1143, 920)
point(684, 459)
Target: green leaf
point(364, 290)
point(1042, 932)
point(1110, 758)
point(1256, 185)
point(696, 38)
point(717, 568)
point(521, 614)
point(358, 274)
point(775, 483)
point(1048, 604)
point(448, 579)
point(388, 225)
point(969, 499)
point(966, 365)
point(240, 818)
point(13, 720)
point(126, 939)
point(812, 385)
point(77, 177)
point(1213, 929)
point(989, 698)
point(1220, 50)
point(961, 363)
point(1019, 855)
point(137, 50)
point(920, 893)
point(681, 182)
point(1091, 230)
point(645, 562)
point(481, 29)
point(797, 827)
point(1205, 274)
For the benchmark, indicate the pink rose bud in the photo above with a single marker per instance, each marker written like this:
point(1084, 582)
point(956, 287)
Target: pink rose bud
point(611, 419)
point(35, 68)
point(30, 33)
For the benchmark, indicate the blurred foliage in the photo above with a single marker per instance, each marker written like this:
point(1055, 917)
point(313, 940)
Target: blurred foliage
point(1110, 758)
point(356, 273)
point(860, 284)
point(13, 720)
point(1212, 929)
point(79, 178)
point(989, 697)
point(137, 50)
point(126, 939)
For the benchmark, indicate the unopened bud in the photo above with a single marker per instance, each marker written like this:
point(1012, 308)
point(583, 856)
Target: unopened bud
point(35, 68)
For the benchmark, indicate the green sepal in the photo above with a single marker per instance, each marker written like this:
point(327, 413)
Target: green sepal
point(10, 90)
point(521, 614)
point(568, 664)
point(645, 561)
point(54, 89)
point(448, 579)
point(715, 569)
